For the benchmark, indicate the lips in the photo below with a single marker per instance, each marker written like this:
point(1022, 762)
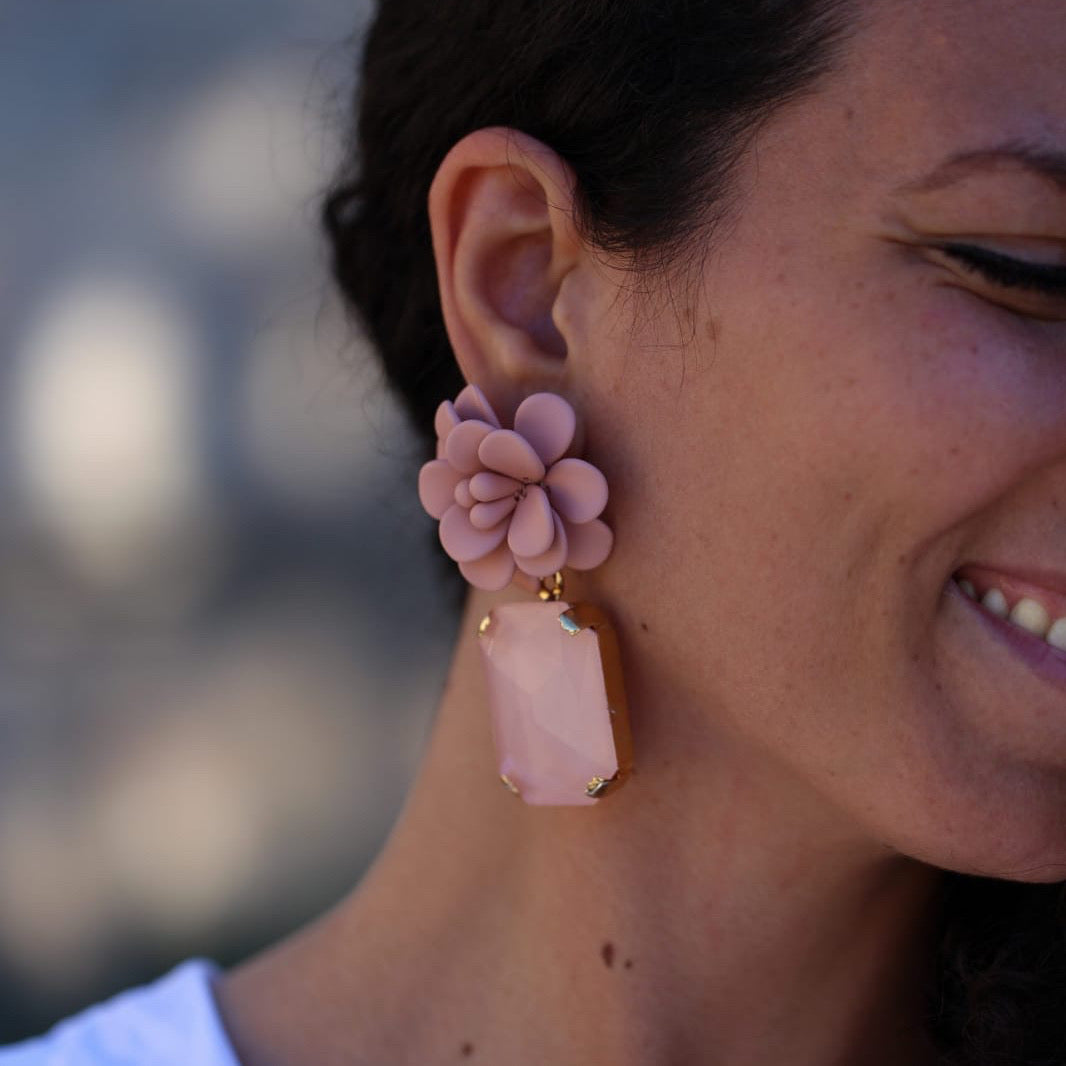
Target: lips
point(1044, 661)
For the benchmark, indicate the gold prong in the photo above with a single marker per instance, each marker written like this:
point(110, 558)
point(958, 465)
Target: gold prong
point(483, 625)
point(509, 784)
point(598, 786)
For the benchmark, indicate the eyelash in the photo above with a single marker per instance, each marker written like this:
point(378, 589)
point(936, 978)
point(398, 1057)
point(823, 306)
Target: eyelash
point(1009, 272)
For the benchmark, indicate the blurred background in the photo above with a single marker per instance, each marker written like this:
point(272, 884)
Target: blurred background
point(221, 629)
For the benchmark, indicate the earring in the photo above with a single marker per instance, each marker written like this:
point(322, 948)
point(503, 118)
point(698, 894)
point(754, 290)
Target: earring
point(514, 506)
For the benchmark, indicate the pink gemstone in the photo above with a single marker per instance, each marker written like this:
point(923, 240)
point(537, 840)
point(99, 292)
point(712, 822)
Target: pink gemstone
point(550, 716)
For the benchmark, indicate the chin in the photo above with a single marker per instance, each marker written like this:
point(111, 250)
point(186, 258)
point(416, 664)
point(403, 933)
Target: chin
point(1014, 832)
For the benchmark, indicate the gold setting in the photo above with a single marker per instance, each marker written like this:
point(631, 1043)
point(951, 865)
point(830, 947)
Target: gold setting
point(554, 591)
point(575, 620)
point(509, 785)
point(483, 625)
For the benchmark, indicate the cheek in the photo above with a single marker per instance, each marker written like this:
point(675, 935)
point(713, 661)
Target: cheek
point(790, 500)
point(792, 493)
point(909, 408)
point(958, 411)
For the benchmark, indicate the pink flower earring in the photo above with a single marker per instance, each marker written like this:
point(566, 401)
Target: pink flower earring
point(513, 506)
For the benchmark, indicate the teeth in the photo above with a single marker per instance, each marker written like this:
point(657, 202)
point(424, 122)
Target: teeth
point(1027, 614)
point(1056, 635)
point(1031, 615)
point(996, 602)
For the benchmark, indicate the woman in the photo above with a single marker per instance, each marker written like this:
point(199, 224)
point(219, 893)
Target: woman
point(799, 266)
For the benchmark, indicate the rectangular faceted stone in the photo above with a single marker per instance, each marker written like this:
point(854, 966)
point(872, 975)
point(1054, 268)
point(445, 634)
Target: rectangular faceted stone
point(551, 719)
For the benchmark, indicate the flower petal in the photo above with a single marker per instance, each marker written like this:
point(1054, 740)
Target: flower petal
point(462, 494)
point(508, 453)
point(547, 421)
point(486, 515)
point(436, 486)
point(491, 572)
point(462, 445)
point(462, 541)
point(551, 560)
point(488, 486)
point(471, 403)
point(590, 543)
point(532, 529)
point(578, 490)
point(445, 420)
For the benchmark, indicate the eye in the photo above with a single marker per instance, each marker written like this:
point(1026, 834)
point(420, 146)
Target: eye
point(1009, 272)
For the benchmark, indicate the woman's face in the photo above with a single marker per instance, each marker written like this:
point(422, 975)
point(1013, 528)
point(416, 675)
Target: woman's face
point(845, 416)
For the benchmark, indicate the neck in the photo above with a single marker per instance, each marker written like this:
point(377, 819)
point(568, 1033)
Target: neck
point(714, 909)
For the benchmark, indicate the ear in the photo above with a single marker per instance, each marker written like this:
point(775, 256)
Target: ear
point(505, 244)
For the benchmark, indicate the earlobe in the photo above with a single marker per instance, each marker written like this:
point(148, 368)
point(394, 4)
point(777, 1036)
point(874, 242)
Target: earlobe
point(500, 211)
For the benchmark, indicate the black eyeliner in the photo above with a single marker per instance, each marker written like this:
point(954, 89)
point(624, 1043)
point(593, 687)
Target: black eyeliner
point(1007, 271)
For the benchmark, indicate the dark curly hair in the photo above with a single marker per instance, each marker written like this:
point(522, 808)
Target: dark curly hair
point(652, 103)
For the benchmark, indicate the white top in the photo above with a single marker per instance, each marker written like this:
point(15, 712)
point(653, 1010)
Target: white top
point(172, 1021)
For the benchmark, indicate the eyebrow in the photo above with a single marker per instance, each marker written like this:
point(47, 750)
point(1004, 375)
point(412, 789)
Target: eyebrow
point(1024, 155)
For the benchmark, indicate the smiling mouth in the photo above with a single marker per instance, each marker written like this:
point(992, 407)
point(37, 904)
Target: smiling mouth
point(1022, 604)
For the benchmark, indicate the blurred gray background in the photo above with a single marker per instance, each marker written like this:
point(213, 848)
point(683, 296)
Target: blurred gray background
point(222, 632)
